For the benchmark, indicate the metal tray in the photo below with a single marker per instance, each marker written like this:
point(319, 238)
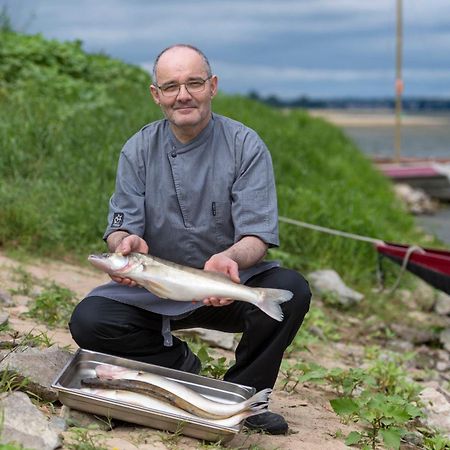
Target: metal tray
point(83, 363)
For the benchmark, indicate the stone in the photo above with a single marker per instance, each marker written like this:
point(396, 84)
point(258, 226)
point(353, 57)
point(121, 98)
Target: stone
point(424, 295)
point(442, 305)
point(436, 409)
point(444, 338)
point(415, 200)
point(24, 424)
point(329, 285)
point(39, 367)
point(4, 318)
point(80, 419)
point(412, 334)
point(5, 298)
point(212, 337)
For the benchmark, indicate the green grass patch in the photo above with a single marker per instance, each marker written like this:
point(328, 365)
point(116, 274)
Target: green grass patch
point(68, 113)
point(53, 306)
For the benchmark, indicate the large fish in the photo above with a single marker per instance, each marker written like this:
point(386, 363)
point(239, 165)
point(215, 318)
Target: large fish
point(177, 394)
point(145, 401)
point(176, 282)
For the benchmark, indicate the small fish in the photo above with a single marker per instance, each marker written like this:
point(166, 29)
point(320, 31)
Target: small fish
point(176, 282)
point(175, 393)
point(155, 404)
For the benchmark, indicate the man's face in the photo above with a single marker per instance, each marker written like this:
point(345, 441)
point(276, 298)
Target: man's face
point(187, 112)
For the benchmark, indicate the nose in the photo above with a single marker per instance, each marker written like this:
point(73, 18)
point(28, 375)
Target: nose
point(183, 93)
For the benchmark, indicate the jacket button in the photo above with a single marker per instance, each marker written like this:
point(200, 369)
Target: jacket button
point(173, 154)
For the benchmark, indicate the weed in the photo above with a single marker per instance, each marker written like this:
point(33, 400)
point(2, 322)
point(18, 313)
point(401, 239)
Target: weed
point(214, 367)
point(26, 282)
point(53, 306)
point(171, 440)
point(436, 442)
point(384, 418)
point(84, 439)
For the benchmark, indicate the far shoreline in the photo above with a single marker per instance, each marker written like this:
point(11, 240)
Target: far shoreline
point(376, 118)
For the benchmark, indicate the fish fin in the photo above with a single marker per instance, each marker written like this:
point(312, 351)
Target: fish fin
point(156, 288)
point(258, 401)
point(270, 299)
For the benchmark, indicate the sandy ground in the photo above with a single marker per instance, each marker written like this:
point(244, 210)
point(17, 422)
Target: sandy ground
point(313, 425)
point(370, 118)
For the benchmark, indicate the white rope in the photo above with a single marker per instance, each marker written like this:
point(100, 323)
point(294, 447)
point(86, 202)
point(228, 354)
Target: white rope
point(409, 252)
point(331, 231)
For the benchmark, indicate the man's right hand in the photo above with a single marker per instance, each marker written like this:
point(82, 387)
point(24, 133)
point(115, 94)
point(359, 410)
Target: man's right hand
point(128, 244)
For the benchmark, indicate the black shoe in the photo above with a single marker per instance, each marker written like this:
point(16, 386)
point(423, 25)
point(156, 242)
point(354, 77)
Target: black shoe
point(267, 422)
point(191, 363)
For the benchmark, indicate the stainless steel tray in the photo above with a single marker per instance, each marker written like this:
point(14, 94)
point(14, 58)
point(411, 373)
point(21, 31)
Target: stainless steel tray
point(83, 363)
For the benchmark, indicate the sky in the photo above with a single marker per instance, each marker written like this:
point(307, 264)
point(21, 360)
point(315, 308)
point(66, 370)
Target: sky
point(287, 48)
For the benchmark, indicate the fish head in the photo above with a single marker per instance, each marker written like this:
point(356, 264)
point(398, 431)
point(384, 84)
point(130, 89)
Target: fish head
point(112, 263)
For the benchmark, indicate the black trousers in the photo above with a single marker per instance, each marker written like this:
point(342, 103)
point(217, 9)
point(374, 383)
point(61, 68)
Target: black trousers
point(107, 326)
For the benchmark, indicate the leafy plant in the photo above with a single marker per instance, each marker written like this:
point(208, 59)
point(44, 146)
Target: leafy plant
point(384, 418)
point(214, 367)
point(53, 306)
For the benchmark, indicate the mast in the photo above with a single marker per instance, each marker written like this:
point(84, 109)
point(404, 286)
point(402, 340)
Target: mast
point(398, 82)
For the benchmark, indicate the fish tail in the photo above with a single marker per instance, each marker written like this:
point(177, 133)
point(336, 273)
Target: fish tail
point(270, 299)
point(261, 398)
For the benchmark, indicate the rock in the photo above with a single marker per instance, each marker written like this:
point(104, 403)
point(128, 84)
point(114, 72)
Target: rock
point(424, 295)
point(415, 200)
point(329, 285)
point(411, 334)
point(4, 317)
point(212, 337)
point(436, 409)
point(24, 424)
point(82, 419)
point(442, 305)
point(40, 367)
point(444, 338)
point(5, 298)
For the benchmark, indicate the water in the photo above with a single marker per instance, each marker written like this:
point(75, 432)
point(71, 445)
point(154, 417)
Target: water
point(430, 139)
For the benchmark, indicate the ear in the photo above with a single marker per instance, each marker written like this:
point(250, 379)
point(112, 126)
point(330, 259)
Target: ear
point(155, 94)
point(214, 84)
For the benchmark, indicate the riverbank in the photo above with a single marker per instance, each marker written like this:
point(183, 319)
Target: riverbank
point(376, 118)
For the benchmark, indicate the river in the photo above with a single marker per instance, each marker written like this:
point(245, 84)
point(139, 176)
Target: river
point(426, 136)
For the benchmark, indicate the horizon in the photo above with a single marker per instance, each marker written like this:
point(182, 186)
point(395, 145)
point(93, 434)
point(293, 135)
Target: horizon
point(289, 48)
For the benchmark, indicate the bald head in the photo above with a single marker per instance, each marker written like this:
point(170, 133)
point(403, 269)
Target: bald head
point(174, 48)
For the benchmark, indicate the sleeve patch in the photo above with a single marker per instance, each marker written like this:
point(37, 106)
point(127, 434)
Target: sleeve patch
point(117, 220)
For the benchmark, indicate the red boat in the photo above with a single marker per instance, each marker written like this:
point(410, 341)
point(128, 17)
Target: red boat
point(432, 176)
point(432, 265)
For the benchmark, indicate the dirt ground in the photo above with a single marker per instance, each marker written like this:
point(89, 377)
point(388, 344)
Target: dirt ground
point(313, 424)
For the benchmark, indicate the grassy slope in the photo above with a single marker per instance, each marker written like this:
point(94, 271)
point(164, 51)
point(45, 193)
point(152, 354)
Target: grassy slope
point(65, 116)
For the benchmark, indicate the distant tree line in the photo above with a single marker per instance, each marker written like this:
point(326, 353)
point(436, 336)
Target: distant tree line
point(410, 104)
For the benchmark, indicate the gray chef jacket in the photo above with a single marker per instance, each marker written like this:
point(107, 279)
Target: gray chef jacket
point(190, 201)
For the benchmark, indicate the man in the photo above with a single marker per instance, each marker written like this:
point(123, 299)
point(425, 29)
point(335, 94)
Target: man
point(198, 189)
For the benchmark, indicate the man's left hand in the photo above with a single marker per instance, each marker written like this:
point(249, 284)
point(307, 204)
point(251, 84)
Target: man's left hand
point(222, 264)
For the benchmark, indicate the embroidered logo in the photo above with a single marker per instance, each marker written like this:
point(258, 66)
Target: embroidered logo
point(117, 220)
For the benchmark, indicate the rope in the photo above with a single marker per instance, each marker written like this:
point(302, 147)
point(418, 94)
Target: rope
point(405, 261)
point(358, 237)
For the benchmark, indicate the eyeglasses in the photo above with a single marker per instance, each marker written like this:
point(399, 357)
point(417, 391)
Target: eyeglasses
point(193, 87)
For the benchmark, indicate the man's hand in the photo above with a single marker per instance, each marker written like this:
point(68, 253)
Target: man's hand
point(128, 244)
point(223, 264)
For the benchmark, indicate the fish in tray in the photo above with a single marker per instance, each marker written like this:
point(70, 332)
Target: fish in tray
point(144, 387)
point(176, 282)
point(146, 401)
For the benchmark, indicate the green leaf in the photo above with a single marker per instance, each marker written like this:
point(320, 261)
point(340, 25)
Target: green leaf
point(353, 438)
point(344, 406)
point(391, 438)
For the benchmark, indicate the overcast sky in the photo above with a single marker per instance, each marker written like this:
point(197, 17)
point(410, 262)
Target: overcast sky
point(318, 48)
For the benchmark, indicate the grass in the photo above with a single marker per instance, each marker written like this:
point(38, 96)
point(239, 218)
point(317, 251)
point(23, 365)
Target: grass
point(74, 112)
